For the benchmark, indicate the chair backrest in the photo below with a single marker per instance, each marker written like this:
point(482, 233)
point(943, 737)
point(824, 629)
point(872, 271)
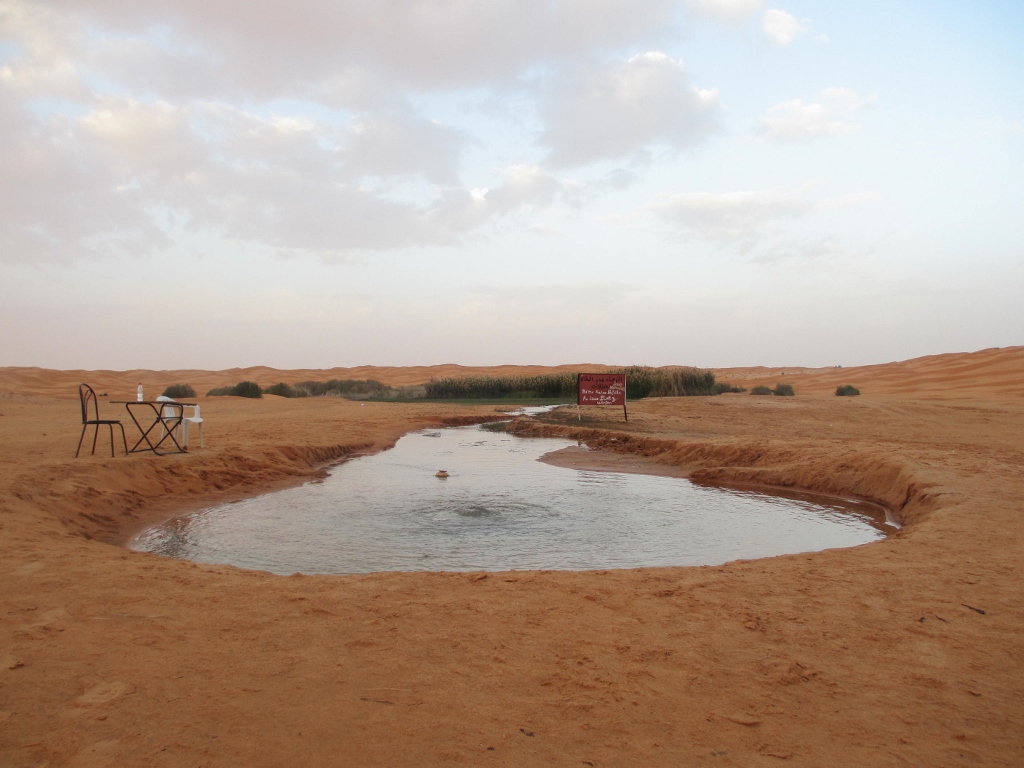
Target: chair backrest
point(195, 412)
point(86, 396)
point(167, 412)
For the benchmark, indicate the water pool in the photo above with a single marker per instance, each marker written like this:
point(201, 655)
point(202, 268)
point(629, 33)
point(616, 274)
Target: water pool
point(501, 509)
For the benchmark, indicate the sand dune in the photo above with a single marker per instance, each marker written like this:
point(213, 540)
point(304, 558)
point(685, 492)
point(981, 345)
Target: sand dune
point(988, 372)
point(908, 651)
point(964, 374)
point(122, 384)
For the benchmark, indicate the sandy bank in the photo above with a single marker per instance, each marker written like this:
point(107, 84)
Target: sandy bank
point(907, 651)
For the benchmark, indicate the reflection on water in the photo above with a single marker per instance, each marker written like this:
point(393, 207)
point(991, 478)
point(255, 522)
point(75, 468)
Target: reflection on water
point(500, 509)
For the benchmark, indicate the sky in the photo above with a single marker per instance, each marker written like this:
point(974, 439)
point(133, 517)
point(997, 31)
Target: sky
point(321, 183)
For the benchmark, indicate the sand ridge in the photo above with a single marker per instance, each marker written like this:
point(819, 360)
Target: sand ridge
point(993, 371)
point(906, 651)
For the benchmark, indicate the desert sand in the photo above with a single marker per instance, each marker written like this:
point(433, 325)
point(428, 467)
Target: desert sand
point(907, 651)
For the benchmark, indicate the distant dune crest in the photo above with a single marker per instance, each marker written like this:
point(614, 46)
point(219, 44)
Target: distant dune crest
point(997, 372)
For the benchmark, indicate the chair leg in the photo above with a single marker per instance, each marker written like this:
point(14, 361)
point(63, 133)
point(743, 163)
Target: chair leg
point(80, 439)
point(95, 436)
point(123, 438)
point(183, 434)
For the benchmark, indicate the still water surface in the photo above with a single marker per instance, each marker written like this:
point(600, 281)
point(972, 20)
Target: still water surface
point(501, 509)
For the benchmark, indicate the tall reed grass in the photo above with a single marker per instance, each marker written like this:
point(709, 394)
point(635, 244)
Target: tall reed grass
point(641, 381)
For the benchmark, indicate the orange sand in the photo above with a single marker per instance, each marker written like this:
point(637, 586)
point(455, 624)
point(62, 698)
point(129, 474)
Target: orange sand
point(908, 651)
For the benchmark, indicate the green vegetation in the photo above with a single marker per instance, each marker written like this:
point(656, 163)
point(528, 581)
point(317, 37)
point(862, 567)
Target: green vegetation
point(556, 386)
point(241, 389)
point(641, 381)
point(721, 387)
point(353, 389)
point(281, 390)
point(783, 390)
point(847, 390)
point(178, 391)
point(761, 391)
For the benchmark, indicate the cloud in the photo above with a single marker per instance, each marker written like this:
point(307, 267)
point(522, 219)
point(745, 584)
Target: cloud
point(275, 46)
point(302, 127)
point(730, 217)
point(795, 250)
point(109, 181)
point(610, 112)
point(578, 193)
point(780, 27)
point(834, 115)
point(752, 221)
point(725, 11)
point(404, 144)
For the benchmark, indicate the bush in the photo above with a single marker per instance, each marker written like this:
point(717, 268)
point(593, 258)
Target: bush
point(847, 390)
point(760, 391)
point(178, 391)
point(353, 389)
point(783, 390)
point(721, 387)
point(281, 390)
point(246, 389)
point(641, 381)
point(241, 389)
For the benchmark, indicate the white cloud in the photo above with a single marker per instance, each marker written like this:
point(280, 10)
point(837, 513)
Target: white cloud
point(725, 11)
point(109, 181)
point(610, 112)
point(782, 28)
point(795, 250)
point(293, 126)
point(274, 47)
point(732, 217)
point(834, 115)
point(403, 144)
point(752, 221)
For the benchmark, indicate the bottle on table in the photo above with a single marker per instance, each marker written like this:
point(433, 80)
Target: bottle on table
point(138, 394)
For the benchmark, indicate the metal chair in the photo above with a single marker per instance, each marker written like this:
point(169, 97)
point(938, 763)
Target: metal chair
point(87, 396)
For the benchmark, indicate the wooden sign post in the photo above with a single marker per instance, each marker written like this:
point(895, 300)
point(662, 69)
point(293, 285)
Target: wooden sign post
point(601, 389)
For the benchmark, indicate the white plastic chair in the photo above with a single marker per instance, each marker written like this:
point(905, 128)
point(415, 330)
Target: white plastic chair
point(195, 418)
point(167, 414)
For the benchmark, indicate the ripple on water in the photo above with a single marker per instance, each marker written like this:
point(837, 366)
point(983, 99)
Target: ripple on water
point(501, 509)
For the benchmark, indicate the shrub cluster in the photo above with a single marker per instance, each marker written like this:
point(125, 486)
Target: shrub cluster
point(353, 389)
point(641, 381)
point(721, 387)
point(847, 390)
point(241, 389)
point(554, 385)
point(179, 391)
point(283, 390)
point(781, 390)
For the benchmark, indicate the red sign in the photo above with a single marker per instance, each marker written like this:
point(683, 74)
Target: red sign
point(601, 389)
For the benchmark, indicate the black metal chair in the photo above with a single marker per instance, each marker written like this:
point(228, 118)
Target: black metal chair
point(87, 396)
